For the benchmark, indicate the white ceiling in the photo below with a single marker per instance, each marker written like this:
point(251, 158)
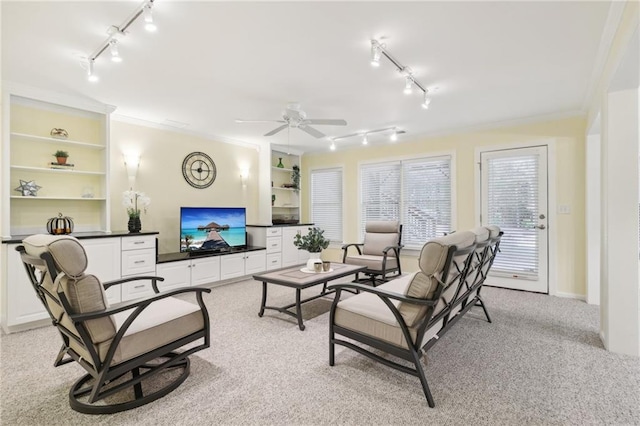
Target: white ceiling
point(212, 62)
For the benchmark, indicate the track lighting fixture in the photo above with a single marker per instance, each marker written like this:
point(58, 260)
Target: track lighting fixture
point(90, 74)
point(365, 135)
point(426, 101)
point(113, 47)
point(378, 50)
point(115, 33)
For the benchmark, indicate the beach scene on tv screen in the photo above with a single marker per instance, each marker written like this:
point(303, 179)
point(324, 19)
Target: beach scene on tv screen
point(212, 228)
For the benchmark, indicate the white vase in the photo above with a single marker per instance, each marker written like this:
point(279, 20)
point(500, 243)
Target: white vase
point(313, 258)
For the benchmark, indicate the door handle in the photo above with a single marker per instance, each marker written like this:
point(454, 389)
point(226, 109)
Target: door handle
point(541, 226)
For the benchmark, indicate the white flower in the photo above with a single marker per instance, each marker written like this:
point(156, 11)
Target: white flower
point(133, 201)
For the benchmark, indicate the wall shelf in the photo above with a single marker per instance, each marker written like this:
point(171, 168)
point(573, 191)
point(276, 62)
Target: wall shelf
point(46, 170)
point(57, 140)
point(21, 197)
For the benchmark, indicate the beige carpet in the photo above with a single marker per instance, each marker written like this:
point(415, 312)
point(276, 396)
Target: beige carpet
point(540, 362)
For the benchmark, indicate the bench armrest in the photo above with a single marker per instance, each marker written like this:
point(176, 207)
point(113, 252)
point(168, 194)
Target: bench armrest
point(383, 293)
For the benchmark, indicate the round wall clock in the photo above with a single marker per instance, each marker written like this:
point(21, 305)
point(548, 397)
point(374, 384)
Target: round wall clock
point(199, 170)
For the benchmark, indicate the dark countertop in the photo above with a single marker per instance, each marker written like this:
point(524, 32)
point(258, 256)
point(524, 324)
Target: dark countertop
point(178, 256)
point(17, 239)
point(281, 224)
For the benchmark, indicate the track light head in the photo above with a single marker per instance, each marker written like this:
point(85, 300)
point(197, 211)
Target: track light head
point(394, 135)
point(90, 73)
point(148, 18)
point(408, 85)
point(376, 52)
point(427, 101)
point(332, 147)
point(365, 140)
point(115, 54)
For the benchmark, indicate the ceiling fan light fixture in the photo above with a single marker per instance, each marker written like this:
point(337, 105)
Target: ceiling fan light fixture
point(394, 135)
point(332, 147)
point(365, 140)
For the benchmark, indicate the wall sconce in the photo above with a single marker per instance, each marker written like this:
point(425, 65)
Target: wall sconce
point(131, 162)
point(244, 176)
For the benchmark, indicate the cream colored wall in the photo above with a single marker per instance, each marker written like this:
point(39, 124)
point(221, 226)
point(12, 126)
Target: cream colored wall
point(160, 177)
point(568, 135)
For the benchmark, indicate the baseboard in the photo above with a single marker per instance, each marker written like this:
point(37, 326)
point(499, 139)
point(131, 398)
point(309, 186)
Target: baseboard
point(571, 296)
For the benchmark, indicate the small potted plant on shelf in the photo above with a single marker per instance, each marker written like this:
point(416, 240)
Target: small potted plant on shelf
point(314, 242)
point(295, 178)
point(61, 156)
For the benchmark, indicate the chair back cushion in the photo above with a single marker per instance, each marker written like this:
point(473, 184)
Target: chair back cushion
point(379, 235)
point(84, 292)
point(432, 262)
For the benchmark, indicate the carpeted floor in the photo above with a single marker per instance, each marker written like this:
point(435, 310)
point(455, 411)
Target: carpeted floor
point(540, 362)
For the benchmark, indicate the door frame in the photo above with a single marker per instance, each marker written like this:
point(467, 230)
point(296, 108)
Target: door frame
point(552, 260)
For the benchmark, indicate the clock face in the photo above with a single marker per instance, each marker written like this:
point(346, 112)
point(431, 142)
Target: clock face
point(199, 170)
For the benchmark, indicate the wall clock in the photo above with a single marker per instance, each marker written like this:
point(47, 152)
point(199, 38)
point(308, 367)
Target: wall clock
point(199, 170)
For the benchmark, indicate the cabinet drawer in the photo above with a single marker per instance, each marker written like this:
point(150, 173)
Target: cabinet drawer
point(274, 261)
point(138, 262)
point(274, 232)
point(141, 242)
point(136, 290)
point(274, 245)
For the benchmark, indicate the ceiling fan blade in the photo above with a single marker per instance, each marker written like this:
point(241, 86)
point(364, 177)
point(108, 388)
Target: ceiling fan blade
point(276, 130)
point(240, 120)
point(313, 132)
point(329, 121)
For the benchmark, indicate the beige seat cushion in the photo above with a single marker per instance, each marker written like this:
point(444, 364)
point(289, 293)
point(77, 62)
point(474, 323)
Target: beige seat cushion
point(162, 322)
point(373, 263)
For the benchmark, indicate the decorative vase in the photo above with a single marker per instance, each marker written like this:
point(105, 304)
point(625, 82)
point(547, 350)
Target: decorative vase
point(134, 225)
point(280, 165)
point(313, 259)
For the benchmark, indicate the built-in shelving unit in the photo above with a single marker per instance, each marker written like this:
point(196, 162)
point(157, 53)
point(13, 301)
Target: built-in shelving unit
point(285, 205)
point(79, 190)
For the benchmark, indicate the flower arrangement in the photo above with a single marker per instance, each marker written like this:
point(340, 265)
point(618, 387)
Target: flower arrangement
point(313, 242)
point(134, 201)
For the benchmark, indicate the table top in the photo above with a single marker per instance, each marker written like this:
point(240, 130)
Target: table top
point(294, 277)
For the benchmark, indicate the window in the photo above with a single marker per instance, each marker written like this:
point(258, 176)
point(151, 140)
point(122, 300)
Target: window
point(417, 192)
point(326, 202)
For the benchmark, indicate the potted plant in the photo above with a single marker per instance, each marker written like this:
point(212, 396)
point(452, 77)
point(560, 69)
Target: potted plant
point(313, 242)
point(295, 177)
point(61, 156)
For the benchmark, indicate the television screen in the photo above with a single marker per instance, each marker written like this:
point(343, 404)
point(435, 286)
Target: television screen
point(212, 228)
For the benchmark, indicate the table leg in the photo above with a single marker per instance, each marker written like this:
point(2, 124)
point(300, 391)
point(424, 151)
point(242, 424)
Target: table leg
point(299, 309)
point(264, 298)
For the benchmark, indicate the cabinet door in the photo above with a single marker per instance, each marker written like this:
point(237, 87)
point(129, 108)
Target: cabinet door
point(23, 304)
point(175, 274)
point(255, 262)
point(205, 270)
point(103, 255)
point(290, 255)
point(231, 266)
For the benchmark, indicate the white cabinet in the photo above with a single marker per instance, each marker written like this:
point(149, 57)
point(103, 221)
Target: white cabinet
point(291, 255)
point(138, 258)
point(104, 257)
point(239, 264)
point(186, 273)
point(271, 238)
point(80, 189)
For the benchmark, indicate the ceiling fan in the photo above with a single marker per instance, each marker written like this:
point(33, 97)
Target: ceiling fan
point(294, 116)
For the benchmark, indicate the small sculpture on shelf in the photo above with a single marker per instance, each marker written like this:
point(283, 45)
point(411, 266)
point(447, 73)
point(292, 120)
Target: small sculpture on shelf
point(60, 225)
point(28, 188)
point(280, 165)
point(59, 133)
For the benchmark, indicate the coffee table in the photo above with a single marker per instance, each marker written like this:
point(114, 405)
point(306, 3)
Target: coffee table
point(294, 277)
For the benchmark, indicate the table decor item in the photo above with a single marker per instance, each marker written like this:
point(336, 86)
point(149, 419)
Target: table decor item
point(135, 201)
point(314, 242)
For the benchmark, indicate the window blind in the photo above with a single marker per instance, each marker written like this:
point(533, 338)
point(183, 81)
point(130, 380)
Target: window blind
point(379, 192)
point(512, 204)
point(426, 195)
point(326, 202)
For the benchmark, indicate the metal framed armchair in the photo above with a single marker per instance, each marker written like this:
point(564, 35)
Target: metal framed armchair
point(131, 352)
point(380, 251)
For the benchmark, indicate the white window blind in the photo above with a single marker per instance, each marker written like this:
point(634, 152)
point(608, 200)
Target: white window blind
point(379, 192)
point(512, 202)
point(326, 202)
point(416, 192)
point(426, 195)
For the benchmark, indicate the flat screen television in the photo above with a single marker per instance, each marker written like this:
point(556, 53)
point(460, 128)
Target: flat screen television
point(205, 229)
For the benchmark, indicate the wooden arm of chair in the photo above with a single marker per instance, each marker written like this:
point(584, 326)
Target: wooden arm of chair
point(79, 318)
point(153, 279)
point(385, 294)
